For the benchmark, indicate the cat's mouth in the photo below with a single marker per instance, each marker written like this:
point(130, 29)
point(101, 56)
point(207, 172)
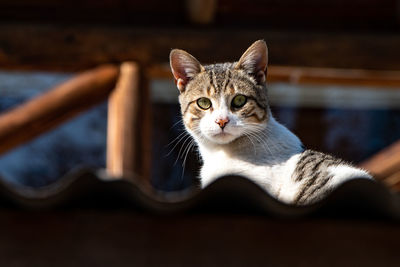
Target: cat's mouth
point(222, 134)
point(223, 137)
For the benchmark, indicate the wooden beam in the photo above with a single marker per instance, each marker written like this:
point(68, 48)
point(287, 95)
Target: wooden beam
point(60, 104)
point(385, 163)
point(350, 77)
point(126, 146)
point(306, 75)
point(62, 47)
point(123, 109)
point(393, 181)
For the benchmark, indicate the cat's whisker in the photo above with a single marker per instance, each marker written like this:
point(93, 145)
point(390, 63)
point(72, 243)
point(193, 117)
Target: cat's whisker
point(181, 134)
point(187, 147)
point(176, 123)
point(266, 137)
point(190, 146)
point(181, 149)
point(179, 140)
point(249, 137)
point(184, 160)
point(262, 142)
point(272, 144)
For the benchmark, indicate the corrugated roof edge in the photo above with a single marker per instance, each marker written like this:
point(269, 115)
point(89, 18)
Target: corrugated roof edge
point(87, 188)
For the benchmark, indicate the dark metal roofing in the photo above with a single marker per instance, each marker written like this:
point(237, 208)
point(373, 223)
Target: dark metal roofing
point(92, 188)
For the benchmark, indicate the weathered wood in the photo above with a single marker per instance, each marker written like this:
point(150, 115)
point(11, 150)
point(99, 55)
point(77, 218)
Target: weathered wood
point(304, 75)
point(127, 145)
point(123, 109)
point(81, 47)
point(49, 110)
point(393, 181)
point(358, 77)
point(385, 163)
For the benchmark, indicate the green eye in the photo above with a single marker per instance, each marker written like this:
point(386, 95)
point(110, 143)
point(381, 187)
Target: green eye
point(204, 103)
point(239, 101)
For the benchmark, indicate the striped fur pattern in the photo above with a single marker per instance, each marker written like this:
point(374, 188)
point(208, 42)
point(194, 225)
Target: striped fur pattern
point(312, 172)
point(225, 109)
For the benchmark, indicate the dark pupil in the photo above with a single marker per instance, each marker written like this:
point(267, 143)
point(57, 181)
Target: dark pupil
point(239, 101)
point(204, 103)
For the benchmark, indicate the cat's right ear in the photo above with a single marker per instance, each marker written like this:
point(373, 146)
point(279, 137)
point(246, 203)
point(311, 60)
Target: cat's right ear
point(255, 60)
point(184, 67)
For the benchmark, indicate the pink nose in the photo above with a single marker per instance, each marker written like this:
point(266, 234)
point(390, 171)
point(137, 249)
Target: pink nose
point(222, 122)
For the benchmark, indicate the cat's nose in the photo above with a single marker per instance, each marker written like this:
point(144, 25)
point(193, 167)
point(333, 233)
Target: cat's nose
point(222, 122)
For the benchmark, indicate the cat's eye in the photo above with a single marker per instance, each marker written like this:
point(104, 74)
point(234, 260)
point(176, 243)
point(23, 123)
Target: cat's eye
point(239, 101)
point(204, 103)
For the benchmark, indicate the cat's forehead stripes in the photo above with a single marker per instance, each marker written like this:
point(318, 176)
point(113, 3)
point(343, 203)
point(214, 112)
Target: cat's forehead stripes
point(209, 88)
point(213, 80)
point(230, 90)
point(226, 79)
point(219, 76)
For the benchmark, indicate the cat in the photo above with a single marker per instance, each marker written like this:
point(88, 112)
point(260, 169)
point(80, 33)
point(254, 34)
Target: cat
point(225, 109)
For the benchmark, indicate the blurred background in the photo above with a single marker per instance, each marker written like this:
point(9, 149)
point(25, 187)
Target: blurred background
point(333, 77)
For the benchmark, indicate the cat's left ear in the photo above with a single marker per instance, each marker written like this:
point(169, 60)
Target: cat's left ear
point(255, 60)
point(184, 67)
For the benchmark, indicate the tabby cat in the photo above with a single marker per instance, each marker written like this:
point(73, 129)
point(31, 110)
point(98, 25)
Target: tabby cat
point(225, 109)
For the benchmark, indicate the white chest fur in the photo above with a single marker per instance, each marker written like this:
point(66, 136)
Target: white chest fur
point(269, 164)
point(274, 178)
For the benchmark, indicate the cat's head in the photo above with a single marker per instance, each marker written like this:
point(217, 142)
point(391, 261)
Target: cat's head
point(222, 102)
